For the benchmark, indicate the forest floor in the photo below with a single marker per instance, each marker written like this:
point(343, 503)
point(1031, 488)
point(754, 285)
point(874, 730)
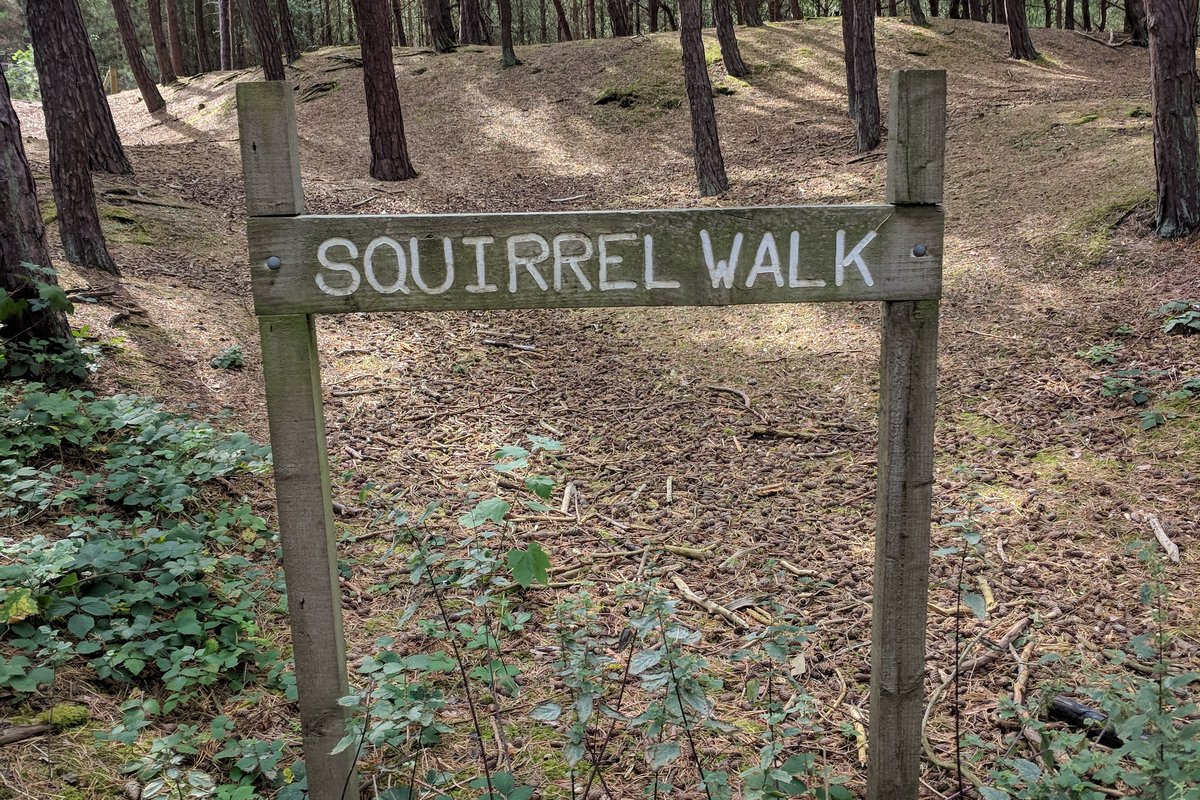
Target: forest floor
point(1049, 189)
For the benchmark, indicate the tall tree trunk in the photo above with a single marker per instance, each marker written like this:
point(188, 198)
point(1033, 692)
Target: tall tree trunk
point(730, 53)
point(1176, 146)
point(975, 10)
point(866, 78)
point(564, 28)
point(389, 149)
point(508, 56)
point(652, 12)
point(917, 14)
point(849, 10)
point(706, 145)
point(751, 12)
point(1020, 44)
point(398, 13)
point(618, 12)
point(999, 12)
point(933, 8)
point(1069, 14)
point(287, 31)
point(441, 28)
point(666, 9)
point(173, 40)
point(956, 7)
point(470, 22)
point(1135, 22)
point(797, 13)
point(1049, 13)
point(22, 236)
point(892, 10)
point(133, 53)
point(202, 62)
point(265, 39)
point(162, 53)
point(591, 18)
point(1085, 9)
point(79, 76)
point(223, 35)
point(63, 106)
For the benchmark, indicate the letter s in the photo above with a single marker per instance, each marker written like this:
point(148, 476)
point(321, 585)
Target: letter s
point(338, 266)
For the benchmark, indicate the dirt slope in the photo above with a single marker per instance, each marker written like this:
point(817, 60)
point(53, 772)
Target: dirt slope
point(1043, 162)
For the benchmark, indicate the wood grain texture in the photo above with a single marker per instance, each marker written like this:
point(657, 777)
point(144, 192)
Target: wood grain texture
point(292, 377)
point(678, 255)
point(916, 136)
point(270, 148)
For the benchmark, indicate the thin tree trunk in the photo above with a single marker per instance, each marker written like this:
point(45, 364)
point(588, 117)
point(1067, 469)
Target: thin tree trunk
point(999, 13)
point(1103, 15)
point(618, 12)
point(22, 237)
point(162, 53)
point(1069, 14)
point(730, 53)
point(63, 106)
point(176, 45)
point(1176, 146)
point(1049, 14)
point(591, 18)
point(933, 8)
point(133, 53)
point(1085, 14)
point(398, 13)
point(441, 29)
point(202, 62)
point(470, 22)
point(917, 14)
point(389, 149)
point(223, 37)
point(866, 103)
point(1020, 44)
point(975, 10)
point(291, 48)
point(564, 29)
point(652, 13)
point(1135, 22)
point(797, 13)
point(508, 56)
point(266, 41)
point(706, 145)
point(849, 10)
point(751, 12)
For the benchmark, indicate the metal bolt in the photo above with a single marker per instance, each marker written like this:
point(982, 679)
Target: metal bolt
point(920, 250)
point(274, 263)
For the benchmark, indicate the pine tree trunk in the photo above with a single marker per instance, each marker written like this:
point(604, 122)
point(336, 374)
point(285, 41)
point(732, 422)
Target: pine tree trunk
point(79, 77)
point(999, 13)
point(265, 39)
point(1135, 22)
point(797, 13)
point(162, 53)
point(652, 12)
point(441, 28)
point(730, 53)
point(1049, 14)
point(133, 53)
point(975, 10)
point(224, 35)
point(618, 12)
point(291, 48)
point(564, 29)
point(866, 90)
point(398, 13)
point(849, 10)
point(933, 8)
point(1069, 14)
point(591, 18)
point(173, 40)
point(1020, 44)
point(22, 235)
point(389, 149)
point(917, 14)
point(751, 12)
point(202, 62)
point(706, 145)
point(1085, 8)
point(63, 106)
point(1176, 146)
point(470, 22)
point(1103, 16)
point(508, 56)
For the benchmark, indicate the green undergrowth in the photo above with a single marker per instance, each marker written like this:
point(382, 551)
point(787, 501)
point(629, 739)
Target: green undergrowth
point(119, 568)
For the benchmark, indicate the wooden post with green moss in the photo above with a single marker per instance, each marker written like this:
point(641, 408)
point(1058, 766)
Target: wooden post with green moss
point(303, 265)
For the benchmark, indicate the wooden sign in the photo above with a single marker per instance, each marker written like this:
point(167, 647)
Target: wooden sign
point(306, 265)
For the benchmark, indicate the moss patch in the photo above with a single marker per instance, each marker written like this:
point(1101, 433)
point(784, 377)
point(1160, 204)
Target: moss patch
point(65, 715)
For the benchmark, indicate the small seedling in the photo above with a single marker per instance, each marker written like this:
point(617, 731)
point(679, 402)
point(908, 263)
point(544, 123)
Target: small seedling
point(231, 357)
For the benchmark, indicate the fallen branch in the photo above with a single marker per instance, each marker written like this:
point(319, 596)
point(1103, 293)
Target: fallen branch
point(1112, 39)
point(528, 348)
point(1001, 646)
point(1170, 547)
point(19, 733)
point(708, 605)
point(733, 391)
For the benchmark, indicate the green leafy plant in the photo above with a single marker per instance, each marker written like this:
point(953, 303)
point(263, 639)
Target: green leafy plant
point(1183, 316)
point(1101, 353)
point(231, 357)
point(1124, 383)
point(55, 362)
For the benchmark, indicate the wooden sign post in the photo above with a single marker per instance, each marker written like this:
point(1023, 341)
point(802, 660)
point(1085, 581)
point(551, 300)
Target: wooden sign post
point(303, 265)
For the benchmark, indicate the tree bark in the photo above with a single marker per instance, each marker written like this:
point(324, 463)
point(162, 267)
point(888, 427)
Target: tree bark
point(849, 10)
point(291, 48)
point(1069, 14)
point(866, 90)
point(63, 107)
point(933, 8)
point(202, 62)
point(508, 56)
point(564, 28)
point(591, 18)
point(470, 22)
point(1020, 44)
point(441, 28)
point(751, 12)
point(999, 12)
point(389, 149)
point(78, 76)
point(975, 10)
point(265, 39)
point(173, 40)
point(1135, 22)
point(223, 35)
point(1176, 146)
point(398, 13)
point(706, 145)
point(797, 13)
point(1085, 9)
point(162, 53)
point(731, 55)
point(917, 14)
point(618, 12)
point(133, 53)
point(652, 13)
point(22, 235)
